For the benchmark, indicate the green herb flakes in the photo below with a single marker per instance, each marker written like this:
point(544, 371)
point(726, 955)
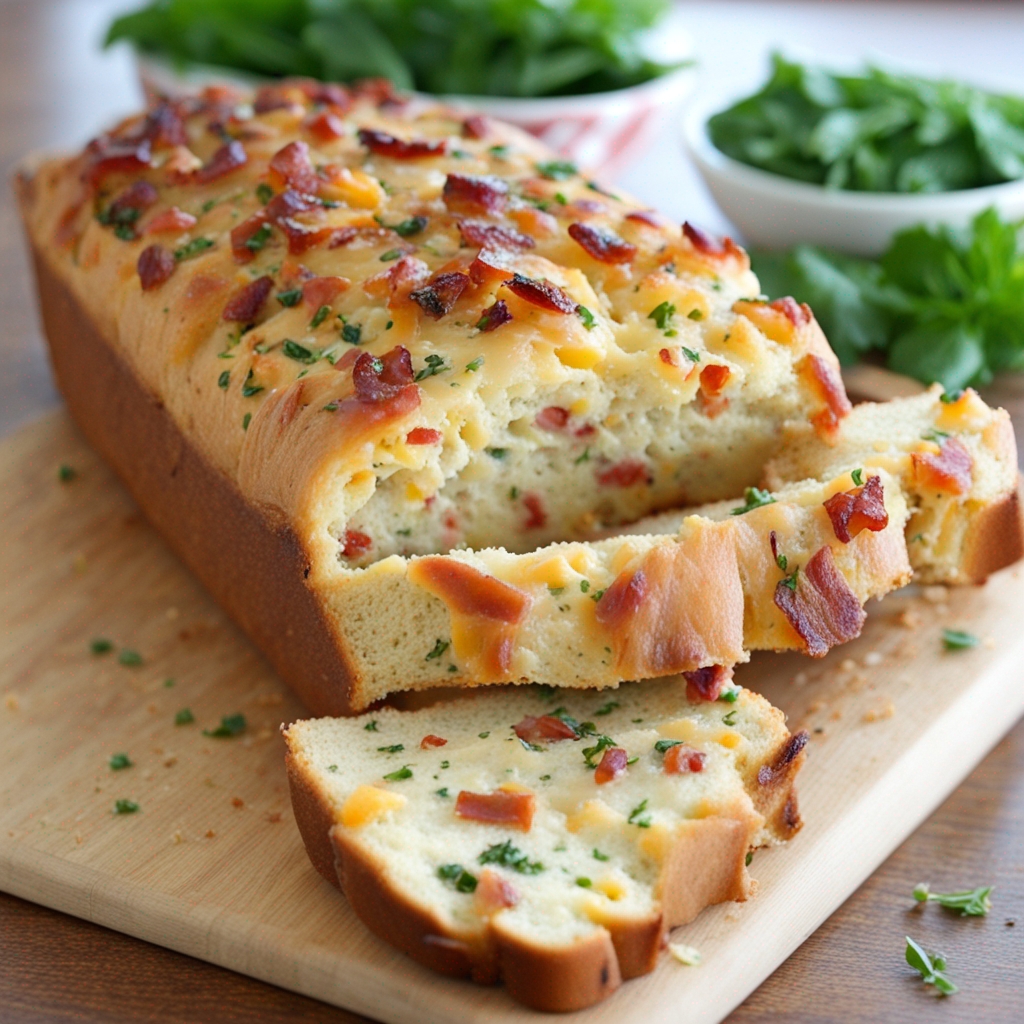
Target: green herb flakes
point(754, 497)
point(958, 640)
point(662, 314)
point(583, 882)
point(100, 645)
point(301, 354)
point(371, 726)
point(66, 473)
point(126, 807)
point(319, 316)
point(291, 297)
point(587, 317)
point(584, 585)
point(557, 170)
point(510, 856)
point(640, 816)
point(395, 748)
point(598, 855)
point(246, 420)
point(405, 772)
point(440, 646)
point(434, 364)
point(259, 238)
point(391, 254)
point(224, 379)
point(857, 476)
point(192, 248)
point(118, 762)
point(731, 695)
point(458, 877)
point(497, 453)
point(250, 387)
point(230, 725)
point(352, 333)
point(475, 364)
point(126, 656)
point(662, 745)
point(730, 718)
point(690, 354)
point(184, 717)
point(590, 753)
point(607, 709)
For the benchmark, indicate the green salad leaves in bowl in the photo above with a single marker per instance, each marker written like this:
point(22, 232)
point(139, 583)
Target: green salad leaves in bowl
point(601, 71)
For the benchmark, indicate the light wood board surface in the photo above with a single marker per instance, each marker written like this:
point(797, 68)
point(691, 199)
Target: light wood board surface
point(212, 865)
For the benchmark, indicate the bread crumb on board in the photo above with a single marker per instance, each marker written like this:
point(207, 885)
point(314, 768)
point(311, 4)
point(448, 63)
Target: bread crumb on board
point(877, 714)
point(688, 955)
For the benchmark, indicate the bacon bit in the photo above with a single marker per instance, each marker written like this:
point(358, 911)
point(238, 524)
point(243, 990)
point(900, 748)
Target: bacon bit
point(549, 728)
point(486, 270)
point(356, 544)
point(170, 220)
point(325, 126)
point(553, 417)
point(667, 357)
point(274, 97)
point(493, 892)
point(394, 148)
point(423, 435)
point(537, 518)
point(289, 203)
point(342, 236)
point(164, 126)
point(586, 430)
point(627, 473)
point(155, 265)
point(713, 378)
point(442, 291)
point(228, 158)
point(469, 591)
point(475, 193)
point(291, 166)
point(397, 282)
point(587, 206)
point(799, 314)
point(380, 378)
point(497, 808)
point(493, 317)
point(862, 508)
point(241, 233)
point(430, 740)
point(476, 127)
point(322, 291)
point(243, 306)
point(493, 236)
point(822, 608)
point(543, 294)
point(330, 94)
point(683, 759)
point(106, 156)
point(603, 245)
point(707, 683)
point(648, 217)
point(140, 195)
point(622, 599)
point(829, 386)
point(378, 90)
point(535, 222)
point(705, 244)
point(612, 766)
point(949, 471)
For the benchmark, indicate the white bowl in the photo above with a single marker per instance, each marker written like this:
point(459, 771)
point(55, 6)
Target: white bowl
point(773, 212)
point(602, 131)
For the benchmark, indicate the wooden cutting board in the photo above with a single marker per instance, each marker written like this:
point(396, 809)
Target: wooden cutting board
point(211, 864)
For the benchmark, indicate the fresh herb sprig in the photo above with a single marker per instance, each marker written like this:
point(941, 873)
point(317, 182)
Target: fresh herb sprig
point(970, 903)
point(931, 966)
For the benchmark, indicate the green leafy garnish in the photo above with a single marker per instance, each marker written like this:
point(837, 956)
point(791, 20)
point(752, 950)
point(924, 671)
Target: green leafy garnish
point(405, 772)
point(435, 365)
point(690, 354)
point(598, 855)
point(230, 725)
point(391, 254)
point(247, 419)
point(440, 646)
point(584, 883)
point(510, 856)
point(640, 816)
point(753, 497)
point(259, 238)
point(184, 717)
point(971, 903)
point(192, 248)
point(497, 453)
point(100, 645)
point(730, 718)
point(66, 473)
point(264, 193)
point(319, 316)
point(475, 365)
point(587, 317)
point(250, 387)
point(557, 170)
point(118, 762)
point(301, 354)
point(405, 228)
point(393, 749)
point(607, 709)
point(662, 314)
point(931, 966)
point(352, 333)
point(731, 695)
point(125, 807)
point(126, 656)
point(224, 379)
point(457, 876)
point(662, 745)
point(857, 476)
point(371, 726)
point(958, 640)
point(443, 791)
point(589, 753)
point(291, 297)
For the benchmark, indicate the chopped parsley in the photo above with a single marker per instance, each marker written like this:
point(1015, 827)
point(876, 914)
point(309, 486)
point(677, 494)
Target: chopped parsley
point(405, 772)
point(497, 453)
point(184, 717)
point(320, 316)
point(66, 473)
point(662, 314)
point(101, 645)
point(435, 365)
point(857, 476)
point(301, 354)
point(584, 457)
point(557, 170)
point(118, 762)
point(224, 379)
point(230, 725)
point(754, 497)
point(589, 753)
point(607, 709)
point(291, 297)
point(126, 656)
point(442, 792)
point(332, 767)
point(584, 585)
point(662, 745)
point(730, 718)
point(483, 735)
point(371, 726)
point(475, 364)
point(948, 397)
point(125, 807)
point(958, 640)
point(395, 748)
point(970, 903)
point(246, 420)
point(440, 646)
point(391, 254)
point(510, 856)
point(695, 314)
point(445, 764)
point(264, 193)
point(259, 238)
point(250, 387)
point(457, 876)
point(598, 855)
point(192, 248)
point(731, 695)
point(352, 333)
point(406, 228)
point(690, 354)
point(584, 883)
point(640, 816)
point(791, 580)
point(587, 317)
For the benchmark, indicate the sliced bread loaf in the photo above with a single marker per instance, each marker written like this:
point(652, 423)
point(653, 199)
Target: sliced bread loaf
point(546, 838)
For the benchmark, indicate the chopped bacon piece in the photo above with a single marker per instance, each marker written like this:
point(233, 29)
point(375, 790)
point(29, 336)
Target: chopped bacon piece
point(493, 892)
point(622, 599)
point(498, 808)
point(228, 158)
point(431, 740)
point(394, 148)
point(380, 378)
point(820, 605)
point(648, 217)
point(493, 236)
point(549, 728)
point(713, 378)
point(604, 245)
point(705, 244)
point(322, 291)
point(245, 304)
point(487, 269)
point(707, 683)
point(476, 126)
point(612, 766)
point(468, 591)
point(493, 317)
point(291, 166)
point(627, 473)
point(667, 357)
point(829, 385)
point(342, 236)
point(423, 435)
point(949, 471)
point(554, 417)
point(475, 193)
point(164, 126)
point(683, 759)
point(139, 196)
point(356, 544)
point(105, 156)
point(156, 264)
point(241, 233)
point(538, 518)
point(402, 278)
point(325, 126)
point(289, 203)
point(541, 293)
point(378, 90)
point(438, 297)
point(172, 220)
point(862, 508)
point(799, 314)
point(274, 97)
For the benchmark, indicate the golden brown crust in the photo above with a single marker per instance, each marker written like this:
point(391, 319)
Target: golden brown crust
point(995, 539)
point(253, 566)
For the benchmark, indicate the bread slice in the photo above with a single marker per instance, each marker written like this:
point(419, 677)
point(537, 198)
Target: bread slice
point(571, 883)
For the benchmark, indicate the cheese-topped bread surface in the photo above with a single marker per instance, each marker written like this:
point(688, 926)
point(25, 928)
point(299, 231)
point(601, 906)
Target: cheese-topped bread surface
point(548, 838)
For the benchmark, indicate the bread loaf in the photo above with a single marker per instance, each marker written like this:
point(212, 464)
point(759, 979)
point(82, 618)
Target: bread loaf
point(506, 835)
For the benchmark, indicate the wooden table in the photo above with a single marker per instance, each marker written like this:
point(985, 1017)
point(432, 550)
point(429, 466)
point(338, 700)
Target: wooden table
point(57, 968)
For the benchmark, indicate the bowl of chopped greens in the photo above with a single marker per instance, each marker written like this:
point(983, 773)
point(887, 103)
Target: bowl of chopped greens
point(847, 160)
point(595, 79)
